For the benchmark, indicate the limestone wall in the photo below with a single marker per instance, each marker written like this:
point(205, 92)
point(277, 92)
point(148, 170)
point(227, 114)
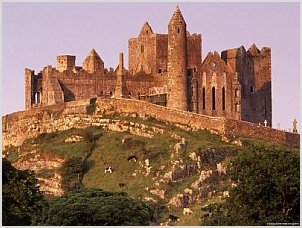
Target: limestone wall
point(245, 129)
point(19, 126)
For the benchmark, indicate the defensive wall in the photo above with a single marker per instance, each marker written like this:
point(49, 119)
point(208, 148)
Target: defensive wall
point(19, 126)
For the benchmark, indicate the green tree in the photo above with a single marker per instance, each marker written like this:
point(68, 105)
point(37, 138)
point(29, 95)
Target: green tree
point(267, 189)
point(71, 171)
point(21, 197)
point(88, 207)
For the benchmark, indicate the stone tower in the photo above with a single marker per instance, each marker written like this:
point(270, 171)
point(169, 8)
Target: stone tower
point(65, 62)
point(177, 62)
point(29, 81)
point(121, 90)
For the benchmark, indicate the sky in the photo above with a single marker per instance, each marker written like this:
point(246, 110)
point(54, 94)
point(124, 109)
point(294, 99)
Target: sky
point(33, 34)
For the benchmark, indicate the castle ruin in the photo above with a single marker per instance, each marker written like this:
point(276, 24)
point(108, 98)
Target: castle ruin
point(168, 70)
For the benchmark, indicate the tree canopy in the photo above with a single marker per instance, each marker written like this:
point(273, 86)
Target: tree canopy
point(88, 207)
point(21, 197)
point(267, 190)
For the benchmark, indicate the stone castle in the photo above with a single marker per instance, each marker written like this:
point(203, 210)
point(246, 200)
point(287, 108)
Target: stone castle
point(168, 70)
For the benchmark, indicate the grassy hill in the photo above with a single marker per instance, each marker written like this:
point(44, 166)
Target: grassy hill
point(188, 177)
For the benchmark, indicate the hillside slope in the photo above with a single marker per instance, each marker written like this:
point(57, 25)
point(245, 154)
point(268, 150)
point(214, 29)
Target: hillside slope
point(170, 166)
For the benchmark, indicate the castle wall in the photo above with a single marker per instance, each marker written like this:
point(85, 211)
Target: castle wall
point(254, 74)
point(194, 50)
point(20, 126)
point(142, 54)
point(161, 53)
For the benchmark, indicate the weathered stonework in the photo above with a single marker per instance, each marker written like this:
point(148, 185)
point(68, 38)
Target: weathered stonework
point(20, 126)
point(165, 69)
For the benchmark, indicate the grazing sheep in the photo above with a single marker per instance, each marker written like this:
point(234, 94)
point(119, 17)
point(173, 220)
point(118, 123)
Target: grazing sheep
point(187, 211)
point(108, 169)
point(132, 158)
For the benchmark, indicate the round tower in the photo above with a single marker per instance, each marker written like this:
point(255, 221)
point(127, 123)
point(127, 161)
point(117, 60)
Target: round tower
point(177, 62)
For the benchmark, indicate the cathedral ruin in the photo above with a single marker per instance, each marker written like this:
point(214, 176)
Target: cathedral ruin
point(168, 70)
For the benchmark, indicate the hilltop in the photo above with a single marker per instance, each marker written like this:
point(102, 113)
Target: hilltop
point(163, 163)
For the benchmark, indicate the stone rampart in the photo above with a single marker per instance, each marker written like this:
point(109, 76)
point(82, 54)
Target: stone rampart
point(236, 128)
point(19, 126)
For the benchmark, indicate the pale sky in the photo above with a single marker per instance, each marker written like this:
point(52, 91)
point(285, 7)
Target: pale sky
point(33, 34)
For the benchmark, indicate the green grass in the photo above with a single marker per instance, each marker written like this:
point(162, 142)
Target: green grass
point(109, 151)
point(55, 142)
point(12, 153)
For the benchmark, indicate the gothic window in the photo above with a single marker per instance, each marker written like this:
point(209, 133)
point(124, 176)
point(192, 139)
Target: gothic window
point(213, 98)
point(203, 98)
point(223, 98)
point(178, 30)
point(142, 49)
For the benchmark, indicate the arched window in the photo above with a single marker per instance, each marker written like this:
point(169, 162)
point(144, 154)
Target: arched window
point(110, 93)
point(178, 30)
point(223, 98)
point(142, 49)
point(213, 98)
point(203, 98)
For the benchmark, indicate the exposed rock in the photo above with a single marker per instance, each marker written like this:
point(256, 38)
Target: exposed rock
point(221, 169)
point(158, 192)
point(150, 199)
point(237, 142)
point(181, 200)
point(74, 138)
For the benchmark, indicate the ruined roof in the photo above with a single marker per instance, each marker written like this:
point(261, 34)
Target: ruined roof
point(146, 29)
point(92, 62)
point(177, 17)
point(94, 55)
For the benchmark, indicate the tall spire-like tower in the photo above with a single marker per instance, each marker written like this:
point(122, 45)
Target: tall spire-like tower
point(177, 62)
point(121, 90)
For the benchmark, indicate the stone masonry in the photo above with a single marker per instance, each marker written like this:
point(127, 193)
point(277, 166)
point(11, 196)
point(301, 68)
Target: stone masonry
point(20, 126)
point(168, 70)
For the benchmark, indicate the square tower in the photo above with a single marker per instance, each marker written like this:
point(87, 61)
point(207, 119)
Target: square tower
point(65, 62)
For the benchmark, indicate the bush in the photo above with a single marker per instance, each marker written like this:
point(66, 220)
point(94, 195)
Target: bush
point(91, 107)
point(21, 197)
point(95, 207)
point(267, 191)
